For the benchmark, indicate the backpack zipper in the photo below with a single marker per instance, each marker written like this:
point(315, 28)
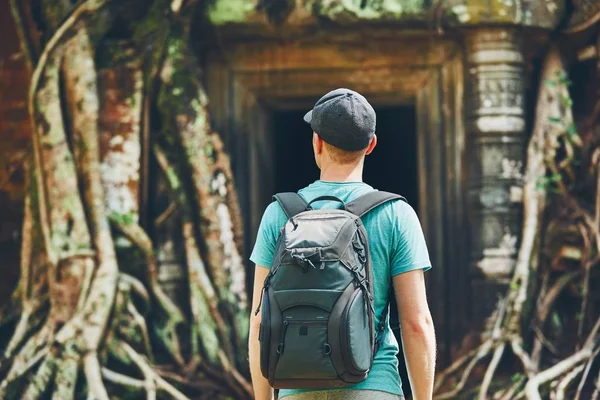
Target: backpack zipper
point(265, 284)
point(286, 323)
point(280, 345)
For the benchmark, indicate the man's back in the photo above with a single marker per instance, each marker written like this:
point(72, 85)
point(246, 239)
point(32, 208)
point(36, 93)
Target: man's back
point(397, 245)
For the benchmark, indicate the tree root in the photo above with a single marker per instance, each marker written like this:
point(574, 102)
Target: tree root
point(564, 384)
point(597, 389)
point(585, 374)
point(93, 374)
point(441, 378)
point(123, 380)
point(544, 310)
point(186, 119)
point(45, 373)
point(481, 353)
point(489, 374)
point(67, 371)
point(237, 377)
point(532, 387)
point(171, 314)
point(152, 379)
point(510, 392)
point(99, 315)
point(202, 285)
point(526, 361)
point(204, 298)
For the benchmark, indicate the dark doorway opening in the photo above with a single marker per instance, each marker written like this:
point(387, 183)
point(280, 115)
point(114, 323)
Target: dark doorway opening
point(391, 167)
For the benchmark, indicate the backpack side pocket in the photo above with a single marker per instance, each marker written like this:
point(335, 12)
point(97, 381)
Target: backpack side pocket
point(356, 335)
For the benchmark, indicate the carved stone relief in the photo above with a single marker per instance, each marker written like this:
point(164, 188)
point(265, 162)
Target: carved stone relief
point(495, 122)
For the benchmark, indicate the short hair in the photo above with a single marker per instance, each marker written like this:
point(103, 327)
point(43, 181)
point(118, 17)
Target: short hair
point(344, 157)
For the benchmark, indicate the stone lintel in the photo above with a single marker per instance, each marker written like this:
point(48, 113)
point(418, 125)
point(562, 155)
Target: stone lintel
point(301, 17)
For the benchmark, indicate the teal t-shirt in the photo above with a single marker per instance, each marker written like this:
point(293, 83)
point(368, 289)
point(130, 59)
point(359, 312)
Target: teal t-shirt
point(397, 245)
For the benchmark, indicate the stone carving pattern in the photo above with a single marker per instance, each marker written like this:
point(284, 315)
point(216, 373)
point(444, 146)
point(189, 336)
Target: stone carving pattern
point(496, 128)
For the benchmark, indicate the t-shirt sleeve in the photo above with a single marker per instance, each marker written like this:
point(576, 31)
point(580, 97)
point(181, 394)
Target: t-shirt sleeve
point(266, 237)
point(409, 250)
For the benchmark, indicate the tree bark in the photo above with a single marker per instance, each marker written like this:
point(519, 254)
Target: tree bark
point(96, 318)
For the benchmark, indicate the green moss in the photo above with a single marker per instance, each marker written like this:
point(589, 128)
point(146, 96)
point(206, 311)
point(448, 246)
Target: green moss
point(207, 328)
point(231, 11)
point(173, 179)
point(370, 10)
point(239, 11)
point(124, 219)
point(155, 21)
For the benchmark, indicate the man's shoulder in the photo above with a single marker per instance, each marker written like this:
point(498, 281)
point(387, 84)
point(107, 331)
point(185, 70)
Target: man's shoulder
point(397, 208)
point(274, 212)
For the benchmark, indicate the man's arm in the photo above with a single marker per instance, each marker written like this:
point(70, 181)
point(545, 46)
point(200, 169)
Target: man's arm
point(418, 336)
point(262, 390)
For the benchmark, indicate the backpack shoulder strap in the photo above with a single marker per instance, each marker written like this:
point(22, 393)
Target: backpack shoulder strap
point(291, 202)
point(367, 202)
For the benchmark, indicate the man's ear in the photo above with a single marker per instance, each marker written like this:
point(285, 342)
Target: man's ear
point(372, 145)
point(317, 143)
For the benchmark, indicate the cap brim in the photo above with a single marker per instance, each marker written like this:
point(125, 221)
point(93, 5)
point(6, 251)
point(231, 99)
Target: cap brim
point(308, 117)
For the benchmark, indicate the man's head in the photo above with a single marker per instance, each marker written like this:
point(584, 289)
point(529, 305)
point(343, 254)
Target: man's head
point(343, 123)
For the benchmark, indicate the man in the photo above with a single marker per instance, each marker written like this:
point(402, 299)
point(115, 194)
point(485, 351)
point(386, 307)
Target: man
point(343, 124)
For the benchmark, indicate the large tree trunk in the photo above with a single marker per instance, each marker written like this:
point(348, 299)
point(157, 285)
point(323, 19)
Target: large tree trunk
point(124, 291)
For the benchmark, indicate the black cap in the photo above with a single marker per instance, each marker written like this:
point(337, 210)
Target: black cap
point(344, 119)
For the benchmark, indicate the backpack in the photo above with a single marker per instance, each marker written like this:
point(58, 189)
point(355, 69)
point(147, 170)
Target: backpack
point(317, 324)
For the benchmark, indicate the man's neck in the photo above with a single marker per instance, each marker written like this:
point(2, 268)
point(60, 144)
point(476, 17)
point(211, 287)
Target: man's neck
point(342, 173)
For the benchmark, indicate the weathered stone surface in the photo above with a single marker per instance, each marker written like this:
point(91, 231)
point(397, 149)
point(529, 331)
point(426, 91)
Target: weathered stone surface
point(223, 12)
point(533, 13)
point(369, 10)
point(233, 11)
point(495, 122)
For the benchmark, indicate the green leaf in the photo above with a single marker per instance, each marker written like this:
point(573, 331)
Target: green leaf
point(567, 101)
point(555, 319)
point(541, 183)
point(572, 129)
point(550, 83)
point(555, 178)
point(555, 120)
point(563, 77)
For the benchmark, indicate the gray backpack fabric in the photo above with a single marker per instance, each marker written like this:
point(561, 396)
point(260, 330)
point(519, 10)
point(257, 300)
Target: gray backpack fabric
point(317, 324)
